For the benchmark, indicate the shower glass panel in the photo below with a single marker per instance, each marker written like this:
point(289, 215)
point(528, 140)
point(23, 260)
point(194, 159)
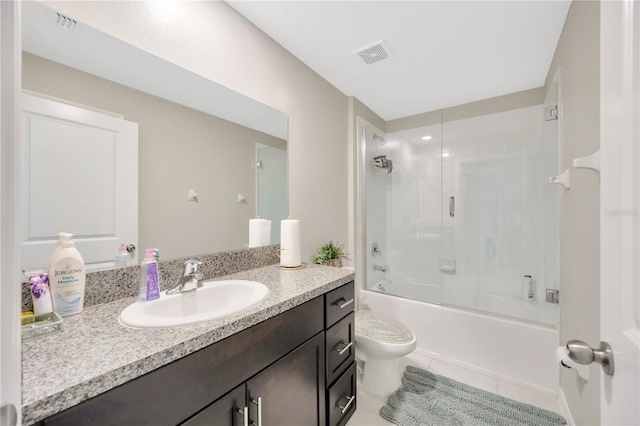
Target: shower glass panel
point(404, 228)
point(271, 186)
point(504, 227)
point(459, 212)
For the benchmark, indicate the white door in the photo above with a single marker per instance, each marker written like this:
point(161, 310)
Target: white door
point(80, 174)
point(619, 223)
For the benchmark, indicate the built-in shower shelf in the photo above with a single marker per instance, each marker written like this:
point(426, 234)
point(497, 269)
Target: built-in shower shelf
point(591, 162)
point(564, 179)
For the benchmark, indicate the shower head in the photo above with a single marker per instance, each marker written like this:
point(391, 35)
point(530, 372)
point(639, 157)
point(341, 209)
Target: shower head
point(379, 139)
point(382, 162)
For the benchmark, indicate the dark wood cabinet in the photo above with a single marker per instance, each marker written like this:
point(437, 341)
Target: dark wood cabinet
point(342, 398)
point(283, 394)
point(278, 366)
point(288, 391)
point(340, 339)
point(227, 411)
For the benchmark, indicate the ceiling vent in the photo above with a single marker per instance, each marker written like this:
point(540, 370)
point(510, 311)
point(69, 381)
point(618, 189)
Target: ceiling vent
point(65, 22)
point(373, 53)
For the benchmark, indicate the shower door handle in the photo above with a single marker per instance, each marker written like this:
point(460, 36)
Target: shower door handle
point(452, 206)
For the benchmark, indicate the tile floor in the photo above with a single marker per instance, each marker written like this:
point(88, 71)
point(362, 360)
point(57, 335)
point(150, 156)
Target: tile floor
point(369, 405)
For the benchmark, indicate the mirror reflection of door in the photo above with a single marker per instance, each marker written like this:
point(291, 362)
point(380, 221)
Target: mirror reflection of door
point(80, 170)
point(271, 176)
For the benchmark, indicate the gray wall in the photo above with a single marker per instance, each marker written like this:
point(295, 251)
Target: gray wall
point(578, 54)
point(211, 39)
point(180, 148)
point(473, 109)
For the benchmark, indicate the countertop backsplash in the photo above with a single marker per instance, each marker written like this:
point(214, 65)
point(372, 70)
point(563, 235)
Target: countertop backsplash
point(117, 283)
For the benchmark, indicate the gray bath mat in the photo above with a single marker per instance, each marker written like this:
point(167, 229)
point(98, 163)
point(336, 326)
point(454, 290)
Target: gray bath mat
point(429, 399)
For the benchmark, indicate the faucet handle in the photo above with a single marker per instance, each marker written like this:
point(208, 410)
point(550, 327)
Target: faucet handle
point(191, 266)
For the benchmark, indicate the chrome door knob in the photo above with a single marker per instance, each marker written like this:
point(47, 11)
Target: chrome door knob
point(582, 353)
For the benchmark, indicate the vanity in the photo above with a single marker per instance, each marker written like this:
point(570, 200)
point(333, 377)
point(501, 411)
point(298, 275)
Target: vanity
point(290, 360)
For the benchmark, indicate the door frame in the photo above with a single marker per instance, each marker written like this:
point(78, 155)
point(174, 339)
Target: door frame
point(10, 209)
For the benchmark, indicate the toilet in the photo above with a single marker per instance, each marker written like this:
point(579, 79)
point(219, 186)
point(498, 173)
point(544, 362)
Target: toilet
point(380, 342)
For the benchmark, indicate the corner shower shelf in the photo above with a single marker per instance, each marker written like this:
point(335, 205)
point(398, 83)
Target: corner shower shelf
point(564, 179)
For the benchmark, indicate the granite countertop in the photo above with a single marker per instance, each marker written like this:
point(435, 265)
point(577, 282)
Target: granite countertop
point(95, 353)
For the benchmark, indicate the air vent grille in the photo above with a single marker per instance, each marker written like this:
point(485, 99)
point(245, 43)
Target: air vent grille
point(374, 53)
point(65, 22)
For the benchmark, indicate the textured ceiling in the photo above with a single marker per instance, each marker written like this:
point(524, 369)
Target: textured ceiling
point(443, 53)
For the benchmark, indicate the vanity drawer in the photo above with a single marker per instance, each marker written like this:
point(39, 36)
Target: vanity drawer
point(340, 347)
point(338, 303)
point(342, 398)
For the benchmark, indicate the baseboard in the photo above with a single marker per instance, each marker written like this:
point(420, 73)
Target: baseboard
point(490, 373)
point(564, 409)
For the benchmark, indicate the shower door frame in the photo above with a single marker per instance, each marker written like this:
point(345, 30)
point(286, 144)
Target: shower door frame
point(360, 256)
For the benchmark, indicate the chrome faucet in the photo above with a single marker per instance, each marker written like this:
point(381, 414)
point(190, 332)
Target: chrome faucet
point(191, 278)
point(380, 268)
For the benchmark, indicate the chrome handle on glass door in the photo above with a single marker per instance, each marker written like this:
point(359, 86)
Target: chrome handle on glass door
point(452, 206)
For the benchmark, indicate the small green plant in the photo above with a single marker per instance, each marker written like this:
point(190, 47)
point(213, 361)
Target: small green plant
point(330, 252)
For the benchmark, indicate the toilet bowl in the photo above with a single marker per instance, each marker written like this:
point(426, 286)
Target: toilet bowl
point(380, 342)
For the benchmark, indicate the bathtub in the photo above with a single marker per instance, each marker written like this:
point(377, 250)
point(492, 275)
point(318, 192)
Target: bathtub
point(509, 350)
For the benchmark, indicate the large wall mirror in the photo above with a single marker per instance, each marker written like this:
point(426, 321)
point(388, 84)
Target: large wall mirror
point(124, 147)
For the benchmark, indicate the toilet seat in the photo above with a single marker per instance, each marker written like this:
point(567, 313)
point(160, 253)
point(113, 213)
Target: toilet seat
point(380, 329)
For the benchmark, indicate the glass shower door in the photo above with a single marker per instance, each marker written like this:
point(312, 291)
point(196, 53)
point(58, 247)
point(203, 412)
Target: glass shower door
point(500, 234)
point(404, 231)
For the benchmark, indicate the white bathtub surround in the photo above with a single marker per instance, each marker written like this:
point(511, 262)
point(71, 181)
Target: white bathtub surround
point(483, 343)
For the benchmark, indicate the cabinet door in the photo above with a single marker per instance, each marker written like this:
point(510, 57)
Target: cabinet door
point(291, 391)
point(226, 411)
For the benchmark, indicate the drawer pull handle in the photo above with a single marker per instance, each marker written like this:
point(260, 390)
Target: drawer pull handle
point(343, 303)
point(343, 350)
point(350, 399)
point(245, 415)
point(258, 402)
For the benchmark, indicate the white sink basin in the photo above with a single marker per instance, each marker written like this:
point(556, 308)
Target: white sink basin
point(217, 299)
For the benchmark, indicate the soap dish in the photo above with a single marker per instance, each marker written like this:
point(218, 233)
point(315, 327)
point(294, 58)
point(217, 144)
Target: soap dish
point(44, 324)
